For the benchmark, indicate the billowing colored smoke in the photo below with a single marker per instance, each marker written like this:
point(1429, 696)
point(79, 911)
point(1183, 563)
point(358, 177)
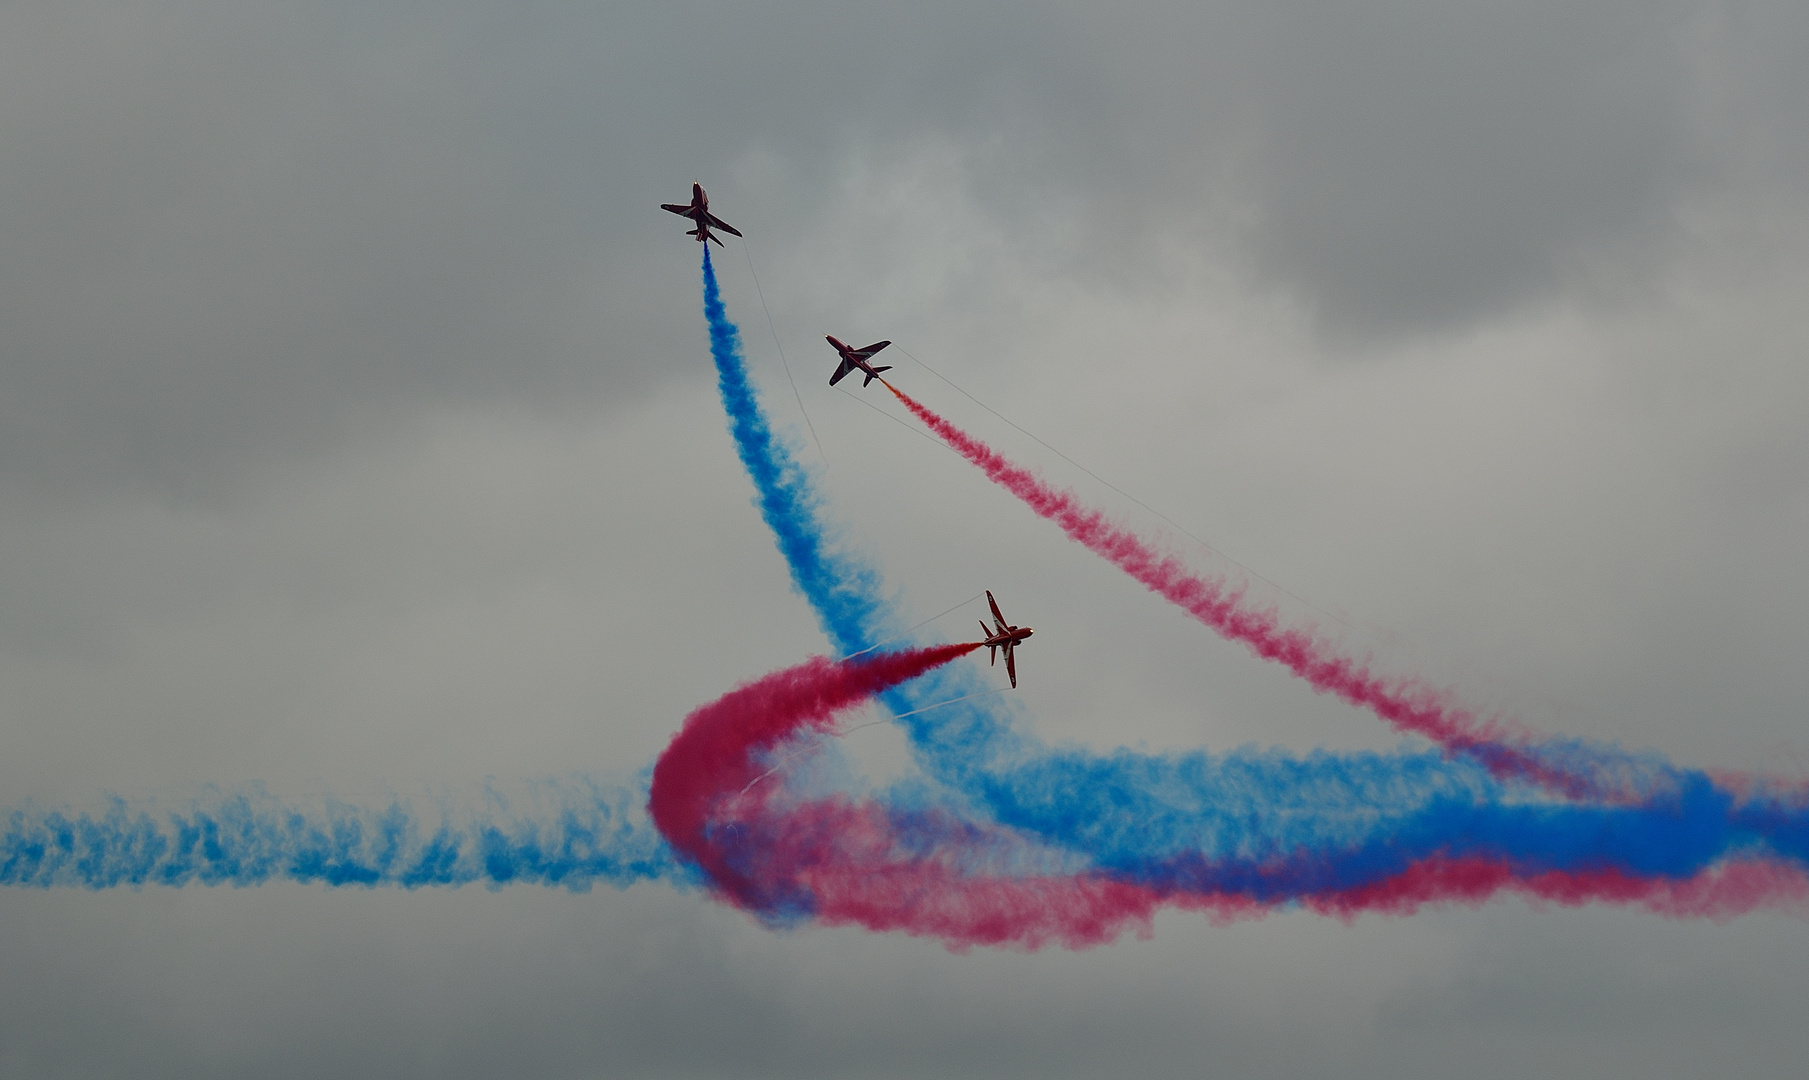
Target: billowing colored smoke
point(1001, 841)
point(1408, 704)
point(837, 584)
point(1233, 834)
point(884, 865)
point(928, 869)
point(713, 756)
point(572, 835)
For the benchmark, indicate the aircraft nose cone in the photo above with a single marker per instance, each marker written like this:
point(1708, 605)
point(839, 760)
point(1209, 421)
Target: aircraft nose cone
point(1028, 631)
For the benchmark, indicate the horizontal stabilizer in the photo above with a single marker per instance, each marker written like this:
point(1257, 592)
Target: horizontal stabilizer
point(873, 373)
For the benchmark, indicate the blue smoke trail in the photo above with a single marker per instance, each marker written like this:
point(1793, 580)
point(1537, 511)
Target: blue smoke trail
point(842, 588)
point(1267, 825)
point(566, 834)
point(1340, 820)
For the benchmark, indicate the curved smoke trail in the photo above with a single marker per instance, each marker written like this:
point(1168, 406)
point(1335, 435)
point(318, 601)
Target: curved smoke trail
point(1011, 843)
point(891, 864)
point(923, 867)
point(1238, 833)
point(845, 590)
point(1408, 704)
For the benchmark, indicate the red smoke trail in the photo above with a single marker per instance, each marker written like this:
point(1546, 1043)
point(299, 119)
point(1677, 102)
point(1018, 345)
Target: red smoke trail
point(842, 861)
point(928, 872)
point(713, 755)
point(1408, 704)
point(1717, 893)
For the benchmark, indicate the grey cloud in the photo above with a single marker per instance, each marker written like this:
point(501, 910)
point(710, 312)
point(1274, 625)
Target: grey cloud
point(1433, 162)
point(355, 430)
point(326, 217)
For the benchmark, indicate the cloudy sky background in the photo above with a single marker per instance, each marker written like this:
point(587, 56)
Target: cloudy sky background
point(358, 434)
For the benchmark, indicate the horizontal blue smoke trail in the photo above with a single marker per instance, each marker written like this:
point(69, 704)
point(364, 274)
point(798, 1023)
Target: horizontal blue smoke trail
point(1287, 826)
point(571, 835)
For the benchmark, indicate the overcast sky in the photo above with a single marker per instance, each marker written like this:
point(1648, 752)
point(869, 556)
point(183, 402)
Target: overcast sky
point(358, 433)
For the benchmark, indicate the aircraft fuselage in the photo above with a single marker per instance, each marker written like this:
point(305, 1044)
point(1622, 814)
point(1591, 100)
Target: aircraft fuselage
point(854, 359)
point(699, 213)
point(1001, 635)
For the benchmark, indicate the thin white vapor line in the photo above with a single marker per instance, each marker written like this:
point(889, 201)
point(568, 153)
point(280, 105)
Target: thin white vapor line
point(907, 633)
point(748, 251)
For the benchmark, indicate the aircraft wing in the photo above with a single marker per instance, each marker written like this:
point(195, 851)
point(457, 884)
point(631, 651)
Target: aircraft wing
point(1011, 666)
point(681, 211)
point(841, 371)
point(995, 609)
point(871, 349)
point(721, 224)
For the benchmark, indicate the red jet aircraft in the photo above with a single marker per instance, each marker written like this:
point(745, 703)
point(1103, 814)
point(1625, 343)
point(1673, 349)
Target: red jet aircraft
point(853, 359)
point(1003, 636)
point(699, 211)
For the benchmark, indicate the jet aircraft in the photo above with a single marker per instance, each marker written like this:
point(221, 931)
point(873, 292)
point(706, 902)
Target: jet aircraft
point(699, 211)
point(1003, 636)
point(853, 359)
